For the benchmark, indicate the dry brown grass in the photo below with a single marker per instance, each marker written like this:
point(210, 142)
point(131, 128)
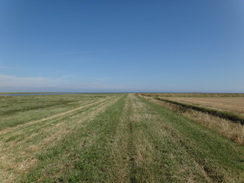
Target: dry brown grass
point(195, 94)
point(233, 131)
point(228, 103)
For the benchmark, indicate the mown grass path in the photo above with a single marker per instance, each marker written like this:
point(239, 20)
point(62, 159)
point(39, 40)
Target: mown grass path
point(20, 145)
point(124, 139)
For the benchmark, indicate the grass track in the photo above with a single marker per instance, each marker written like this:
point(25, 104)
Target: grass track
point(126, 139)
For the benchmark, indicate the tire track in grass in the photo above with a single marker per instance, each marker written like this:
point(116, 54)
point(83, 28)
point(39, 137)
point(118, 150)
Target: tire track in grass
point(130, 142)
point(131, 154)
point(122, 146)
point(136, 145)
point(18, 158)
point(140, 151)
point(210, 173)
point(158, 157)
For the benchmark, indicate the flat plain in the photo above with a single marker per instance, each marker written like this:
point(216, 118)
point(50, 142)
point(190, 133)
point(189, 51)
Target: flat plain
point(109, 138)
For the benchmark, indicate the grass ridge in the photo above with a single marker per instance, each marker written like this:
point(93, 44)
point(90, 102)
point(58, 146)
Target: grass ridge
point(222, 114)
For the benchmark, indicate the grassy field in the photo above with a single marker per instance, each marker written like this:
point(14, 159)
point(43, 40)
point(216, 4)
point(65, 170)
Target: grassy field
point(109, 138)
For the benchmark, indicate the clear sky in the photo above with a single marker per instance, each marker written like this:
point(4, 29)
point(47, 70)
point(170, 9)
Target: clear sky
point(122, 45)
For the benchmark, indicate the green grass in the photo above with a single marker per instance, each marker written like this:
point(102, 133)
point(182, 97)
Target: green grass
point(86, 147)
point(219, 157)
point(124, 138)
point(15, 110)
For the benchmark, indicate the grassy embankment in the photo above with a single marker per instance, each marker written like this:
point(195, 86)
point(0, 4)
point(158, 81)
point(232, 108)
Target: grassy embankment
point(123, 138)
point(233, 116)
point(227, 123)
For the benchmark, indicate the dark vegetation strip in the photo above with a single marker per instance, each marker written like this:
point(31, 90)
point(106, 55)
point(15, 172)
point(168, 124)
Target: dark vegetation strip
point(29, 108)
point(131, 149)
point(221, 114)
point(131, 146)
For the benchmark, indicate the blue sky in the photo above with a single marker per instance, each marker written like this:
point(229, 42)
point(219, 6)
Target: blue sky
point(127, 45)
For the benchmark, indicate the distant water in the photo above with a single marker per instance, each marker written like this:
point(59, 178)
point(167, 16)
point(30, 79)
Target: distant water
point(23, 94)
